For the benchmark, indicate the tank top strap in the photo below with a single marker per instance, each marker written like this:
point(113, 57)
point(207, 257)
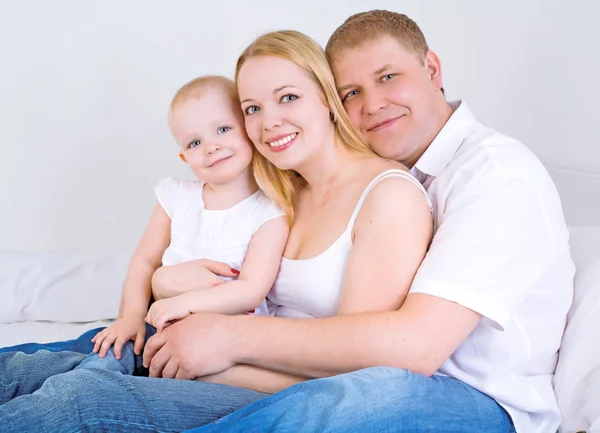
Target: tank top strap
point(375, 181)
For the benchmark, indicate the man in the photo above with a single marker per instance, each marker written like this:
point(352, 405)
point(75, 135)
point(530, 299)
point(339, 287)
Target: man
point(475, 344)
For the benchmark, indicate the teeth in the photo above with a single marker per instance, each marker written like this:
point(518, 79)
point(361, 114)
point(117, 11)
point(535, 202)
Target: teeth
point(283, 140)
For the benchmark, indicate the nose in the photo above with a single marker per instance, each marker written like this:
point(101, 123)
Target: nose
point(271, 119)
point(211, 148)
point(374, 101)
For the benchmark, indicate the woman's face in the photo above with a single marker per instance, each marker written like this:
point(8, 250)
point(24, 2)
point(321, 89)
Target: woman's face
point(285, 115)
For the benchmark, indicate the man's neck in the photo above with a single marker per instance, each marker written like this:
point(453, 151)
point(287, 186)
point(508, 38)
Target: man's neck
point(444, 111)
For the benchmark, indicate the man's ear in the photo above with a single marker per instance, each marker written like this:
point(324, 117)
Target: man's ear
point(182, 157)
point(434, 67)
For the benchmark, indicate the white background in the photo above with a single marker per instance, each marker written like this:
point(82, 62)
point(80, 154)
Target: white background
point(85, 86)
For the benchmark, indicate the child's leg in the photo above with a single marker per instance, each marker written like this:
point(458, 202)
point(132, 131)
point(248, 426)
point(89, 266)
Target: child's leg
point(22, 373)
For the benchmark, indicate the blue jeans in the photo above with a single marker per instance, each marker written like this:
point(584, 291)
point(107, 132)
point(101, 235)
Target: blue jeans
point(71, 392)
point(74, 392)
point(378, 399)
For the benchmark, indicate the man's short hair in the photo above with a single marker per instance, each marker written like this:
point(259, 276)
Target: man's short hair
point(368, 26)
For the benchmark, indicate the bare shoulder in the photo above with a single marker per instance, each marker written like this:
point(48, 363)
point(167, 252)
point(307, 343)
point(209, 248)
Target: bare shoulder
point(395, 196)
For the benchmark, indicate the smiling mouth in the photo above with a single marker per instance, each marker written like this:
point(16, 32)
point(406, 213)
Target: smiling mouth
point(383, 124)
point(282, 141)
point(218, 161)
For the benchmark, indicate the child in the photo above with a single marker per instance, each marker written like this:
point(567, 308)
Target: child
point(222, 216)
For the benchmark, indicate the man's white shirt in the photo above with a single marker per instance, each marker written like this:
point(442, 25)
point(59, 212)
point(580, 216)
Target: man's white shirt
point(501, 248)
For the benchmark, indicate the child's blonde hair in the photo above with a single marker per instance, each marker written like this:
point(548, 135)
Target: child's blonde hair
point(282, 185)
point(198, 86)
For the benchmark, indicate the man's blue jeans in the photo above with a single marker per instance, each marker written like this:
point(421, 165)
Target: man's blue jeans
point(73, 392)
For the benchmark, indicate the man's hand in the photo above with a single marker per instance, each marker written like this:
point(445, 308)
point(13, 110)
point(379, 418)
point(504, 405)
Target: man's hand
point(198, 345)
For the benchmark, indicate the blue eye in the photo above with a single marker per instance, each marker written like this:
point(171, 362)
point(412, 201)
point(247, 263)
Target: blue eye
point(350, 94)
point(288, 98)
point(387, 77)
point(223, 129)
point(251, 109)
point(193, 144)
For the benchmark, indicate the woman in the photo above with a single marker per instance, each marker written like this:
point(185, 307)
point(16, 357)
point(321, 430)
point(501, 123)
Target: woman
point(360, 226)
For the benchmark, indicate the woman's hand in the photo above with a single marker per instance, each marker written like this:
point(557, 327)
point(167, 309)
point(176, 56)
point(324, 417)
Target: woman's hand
point(120, 332)
point(165, 311)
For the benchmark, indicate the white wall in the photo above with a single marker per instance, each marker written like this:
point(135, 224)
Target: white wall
point(84, 89)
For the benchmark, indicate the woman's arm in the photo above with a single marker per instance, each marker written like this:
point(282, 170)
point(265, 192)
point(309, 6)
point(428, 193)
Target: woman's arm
point(173, 280)
point(255, 378)
point(391, 238)
point(256, 278)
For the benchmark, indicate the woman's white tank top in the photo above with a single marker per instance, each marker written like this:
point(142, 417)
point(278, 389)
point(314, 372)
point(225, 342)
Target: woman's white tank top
point(313, 287)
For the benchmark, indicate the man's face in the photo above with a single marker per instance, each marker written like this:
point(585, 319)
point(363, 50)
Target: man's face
point(391, 96)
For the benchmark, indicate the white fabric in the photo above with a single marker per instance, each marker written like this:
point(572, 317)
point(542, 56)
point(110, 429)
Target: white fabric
point(61, 286)
point(313, 287)
point(12, 334)
point(577, 379)
point(501, 249)
point(221, 235)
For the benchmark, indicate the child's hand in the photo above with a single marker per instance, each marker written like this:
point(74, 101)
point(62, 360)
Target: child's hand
point(119, 333)
point(166, 310)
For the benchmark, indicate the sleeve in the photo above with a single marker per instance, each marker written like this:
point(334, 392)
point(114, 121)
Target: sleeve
point(166, 193)
point(265, 211)
point(493, 245)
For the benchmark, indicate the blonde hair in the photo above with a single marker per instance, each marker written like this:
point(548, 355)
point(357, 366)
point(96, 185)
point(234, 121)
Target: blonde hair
point(198, 86)
point(368, 26)
point(282, 185)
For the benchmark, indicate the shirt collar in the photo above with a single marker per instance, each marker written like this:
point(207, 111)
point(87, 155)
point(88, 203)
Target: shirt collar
point(441, 150)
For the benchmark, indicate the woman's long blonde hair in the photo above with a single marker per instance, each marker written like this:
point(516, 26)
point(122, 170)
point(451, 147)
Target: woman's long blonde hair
point(281, 185)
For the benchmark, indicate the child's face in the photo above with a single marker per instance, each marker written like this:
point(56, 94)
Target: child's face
point(210, 132)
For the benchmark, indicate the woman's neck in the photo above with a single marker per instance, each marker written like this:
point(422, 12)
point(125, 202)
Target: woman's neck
point(226, 195)
point(330, 169)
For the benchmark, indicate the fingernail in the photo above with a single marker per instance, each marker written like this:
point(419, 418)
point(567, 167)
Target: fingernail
point(235, 271)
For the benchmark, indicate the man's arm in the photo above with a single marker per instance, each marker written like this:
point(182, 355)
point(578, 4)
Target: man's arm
point(463, 277)
point(418, 337)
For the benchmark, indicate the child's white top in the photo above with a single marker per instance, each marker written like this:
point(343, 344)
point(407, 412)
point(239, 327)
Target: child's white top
point(198, 233)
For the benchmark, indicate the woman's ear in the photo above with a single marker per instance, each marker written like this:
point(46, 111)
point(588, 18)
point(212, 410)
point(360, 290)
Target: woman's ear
point(182, 156)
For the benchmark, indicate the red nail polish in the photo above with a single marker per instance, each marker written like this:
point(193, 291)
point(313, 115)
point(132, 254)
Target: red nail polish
point(235, 271)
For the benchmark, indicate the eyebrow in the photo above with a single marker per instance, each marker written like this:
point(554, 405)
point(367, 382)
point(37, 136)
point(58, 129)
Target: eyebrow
point(278, 89)
point(377, 72)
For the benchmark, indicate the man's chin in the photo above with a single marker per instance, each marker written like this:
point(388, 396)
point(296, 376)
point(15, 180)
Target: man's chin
point(389, 152)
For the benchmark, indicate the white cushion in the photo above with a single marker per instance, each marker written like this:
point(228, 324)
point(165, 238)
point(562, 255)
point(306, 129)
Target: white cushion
point(577, 379)
point(61, 286)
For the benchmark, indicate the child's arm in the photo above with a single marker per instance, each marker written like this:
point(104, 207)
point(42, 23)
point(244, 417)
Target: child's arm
point(256, 278)
point(136, 288)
